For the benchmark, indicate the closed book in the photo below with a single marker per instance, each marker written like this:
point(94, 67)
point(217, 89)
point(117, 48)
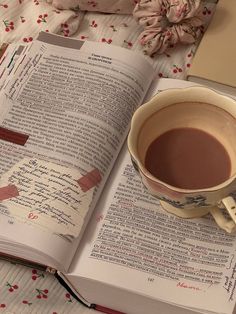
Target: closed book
point(214, 63)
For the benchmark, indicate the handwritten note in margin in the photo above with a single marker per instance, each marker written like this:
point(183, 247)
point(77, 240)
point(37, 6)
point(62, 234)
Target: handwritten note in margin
point(49, 196)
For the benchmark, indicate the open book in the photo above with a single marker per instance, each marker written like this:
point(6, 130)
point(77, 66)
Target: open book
point(71, 200)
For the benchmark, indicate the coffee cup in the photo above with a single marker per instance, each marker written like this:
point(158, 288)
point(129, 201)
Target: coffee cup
point(183, 144)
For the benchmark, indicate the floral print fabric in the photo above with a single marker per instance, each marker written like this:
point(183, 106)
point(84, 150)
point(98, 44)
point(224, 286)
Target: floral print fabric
point(22, 20)
point(167, 22)
point(26, 290)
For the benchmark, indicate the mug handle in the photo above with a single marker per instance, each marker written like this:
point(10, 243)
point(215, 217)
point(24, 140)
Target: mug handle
point(224, 223)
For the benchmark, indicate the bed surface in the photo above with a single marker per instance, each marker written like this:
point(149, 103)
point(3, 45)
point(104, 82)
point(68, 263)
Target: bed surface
point(27, 290)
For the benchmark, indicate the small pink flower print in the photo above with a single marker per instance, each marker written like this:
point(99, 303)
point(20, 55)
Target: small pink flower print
point(22, 19)
point(190, 54)
point(2, 306)
point(42, 18)
point(128, 44)
point(36, 274)
point(206, 11)
point(176, 69)
point(161, 74)
point(27, 39)
point(5, 6)
point(93, 24)
point(68, 297)
point(26, 302)
point(42, 294)
point(11, 288)
point(108, 41)
point(83, 37)
point(36, 2)
point(9, 25)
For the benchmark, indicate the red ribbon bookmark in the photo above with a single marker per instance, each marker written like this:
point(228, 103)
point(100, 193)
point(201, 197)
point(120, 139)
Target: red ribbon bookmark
point(106, 310)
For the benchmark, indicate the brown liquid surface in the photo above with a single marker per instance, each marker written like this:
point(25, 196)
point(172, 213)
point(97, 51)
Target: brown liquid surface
point(188, 158)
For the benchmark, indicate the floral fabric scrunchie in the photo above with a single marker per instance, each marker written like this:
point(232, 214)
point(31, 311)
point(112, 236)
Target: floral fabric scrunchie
point(167, 22)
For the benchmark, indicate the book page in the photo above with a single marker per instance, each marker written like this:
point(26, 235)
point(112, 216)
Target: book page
point(64, 117)
point(133, 244)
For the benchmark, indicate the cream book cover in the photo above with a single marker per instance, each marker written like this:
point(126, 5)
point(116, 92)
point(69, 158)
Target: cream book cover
point(214, 63)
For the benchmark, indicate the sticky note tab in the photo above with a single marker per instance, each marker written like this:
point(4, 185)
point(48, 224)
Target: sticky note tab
point(8, 192)
point(13, 137)
point(2, 51)
point(88, 181)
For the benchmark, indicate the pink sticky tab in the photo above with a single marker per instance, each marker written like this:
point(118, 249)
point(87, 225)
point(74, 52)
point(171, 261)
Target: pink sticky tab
point(8, 191)
point(88, 181)
point(13, 137)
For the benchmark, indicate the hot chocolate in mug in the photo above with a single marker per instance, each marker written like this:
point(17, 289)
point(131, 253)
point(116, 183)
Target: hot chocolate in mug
point(183, 144)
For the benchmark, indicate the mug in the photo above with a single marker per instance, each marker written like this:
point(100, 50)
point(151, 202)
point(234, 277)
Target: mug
point(194, 112)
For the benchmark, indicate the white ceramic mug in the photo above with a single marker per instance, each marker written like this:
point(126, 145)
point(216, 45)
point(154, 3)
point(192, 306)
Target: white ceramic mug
point(192, 107)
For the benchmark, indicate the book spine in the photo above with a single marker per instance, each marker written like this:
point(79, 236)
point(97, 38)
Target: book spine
point(83, 302)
